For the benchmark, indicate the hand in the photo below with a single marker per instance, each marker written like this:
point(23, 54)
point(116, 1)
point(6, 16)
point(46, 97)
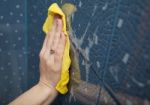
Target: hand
point(51, 55)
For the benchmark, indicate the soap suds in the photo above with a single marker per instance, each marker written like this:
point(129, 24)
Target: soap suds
point(140, 84)
point(85, 32)
point(61, 1)
point(98, 64)
point(128, 102)
point(125, 58)
point(87, 52)
point(83, 62)
point(87, 67)
point(114, 71)
point(91, 42)
point(105, 7)
point(94, 9)
point(95, 39)
point(120, 23)
point(72, 17)
point(71, 95)
point(80, 4)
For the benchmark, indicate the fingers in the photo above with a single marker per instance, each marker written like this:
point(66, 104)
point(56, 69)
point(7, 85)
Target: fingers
point(61, 47)
point(58, 32)
point(55, 40)
point(44, 46)
point(51, 35)
point(45, 51)
point(50, 63)
point(62, 43)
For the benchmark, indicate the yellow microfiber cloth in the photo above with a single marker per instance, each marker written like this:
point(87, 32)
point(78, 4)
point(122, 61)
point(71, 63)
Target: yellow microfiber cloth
point(62, 84)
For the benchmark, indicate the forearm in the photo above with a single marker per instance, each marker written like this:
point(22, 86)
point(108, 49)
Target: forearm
point(47, 102)
point(50, 68)
point(37, 95)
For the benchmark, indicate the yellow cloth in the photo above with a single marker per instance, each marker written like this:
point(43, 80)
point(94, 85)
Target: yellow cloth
point(62, 84)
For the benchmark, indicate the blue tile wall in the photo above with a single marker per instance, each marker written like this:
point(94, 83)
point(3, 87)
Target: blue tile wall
point(13, 50)
point(115, 37)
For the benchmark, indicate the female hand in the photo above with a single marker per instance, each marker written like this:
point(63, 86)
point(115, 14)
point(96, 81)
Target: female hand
point(51, 57)
point(51, 54)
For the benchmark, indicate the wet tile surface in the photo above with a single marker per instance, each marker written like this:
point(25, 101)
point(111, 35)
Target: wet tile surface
point(112, 34)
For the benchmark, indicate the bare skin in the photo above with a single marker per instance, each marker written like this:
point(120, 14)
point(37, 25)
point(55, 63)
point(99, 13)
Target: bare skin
point(44, 92)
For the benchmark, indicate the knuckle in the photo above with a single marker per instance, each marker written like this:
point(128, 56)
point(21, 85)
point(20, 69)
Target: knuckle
point(45, 56)
point(58, 52)
point(41, 55)
point(49, 33)
point(53, 47)
point(57, 70)
point(65, 40)
point(59, 21)
point(57, 58)
point(57, 35)
point(47, 45)
point(48, 63)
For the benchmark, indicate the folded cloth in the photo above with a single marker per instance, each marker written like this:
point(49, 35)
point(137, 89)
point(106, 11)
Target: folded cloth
point(62, 84)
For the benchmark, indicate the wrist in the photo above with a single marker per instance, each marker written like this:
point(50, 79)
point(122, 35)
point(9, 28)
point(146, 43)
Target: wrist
point(47, 88)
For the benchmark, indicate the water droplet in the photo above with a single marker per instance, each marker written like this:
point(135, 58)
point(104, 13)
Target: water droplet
point(9, 63)
point(18, 21)
point(1, 34)
point(19, 67)
point(19, 38)
point(9, 53)
point(10, 82)
point(2, 17)
point(11, 13)
point(14, 45)
point(17, 6)
point(6, 41)
point(6, 77)
point(14, 73)
point(7, 24)
point(21, 14)
point(20, 55)
point(2, 68)
point(16, 31)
